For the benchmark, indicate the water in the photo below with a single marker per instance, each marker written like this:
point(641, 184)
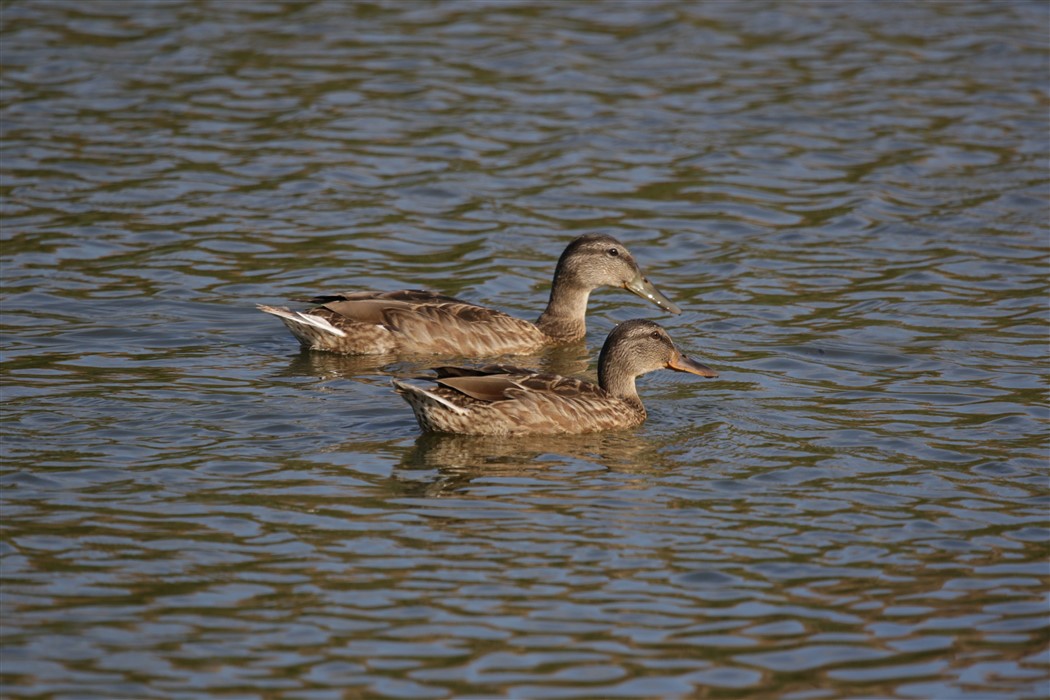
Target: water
point(848, 199)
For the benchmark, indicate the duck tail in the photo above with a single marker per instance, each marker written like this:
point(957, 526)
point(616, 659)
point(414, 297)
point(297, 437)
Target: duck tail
point(297, 320)
point(421, 399)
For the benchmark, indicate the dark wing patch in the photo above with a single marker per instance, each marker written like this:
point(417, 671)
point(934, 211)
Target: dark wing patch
point(411, 296)
point(507, 369)
point(488, 388)
point(372, 311)
point(450, 371)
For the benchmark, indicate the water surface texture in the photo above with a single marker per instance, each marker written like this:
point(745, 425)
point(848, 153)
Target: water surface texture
point(848, 199)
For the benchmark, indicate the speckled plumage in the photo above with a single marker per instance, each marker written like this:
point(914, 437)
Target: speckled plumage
point(502, 400)
point(422, 322)
point(410, 322)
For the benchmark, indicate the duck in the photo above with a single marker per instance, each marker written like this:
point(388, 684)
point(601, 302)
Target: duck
point(507, 401)
point(420, 322)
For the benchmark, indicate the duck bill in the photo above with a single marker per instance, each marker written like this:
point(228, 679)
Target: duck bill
point(645, 289)
point(681, 363)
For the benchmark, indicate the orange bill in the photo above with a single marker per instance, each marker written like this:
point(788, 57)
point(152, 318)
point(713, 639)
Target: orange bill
point(681, 363)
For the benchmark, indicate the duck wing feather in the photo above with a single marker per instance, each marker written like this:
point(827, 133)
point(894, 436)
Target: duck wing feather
point(503, 383)
point(428, 322)
point(416, 296)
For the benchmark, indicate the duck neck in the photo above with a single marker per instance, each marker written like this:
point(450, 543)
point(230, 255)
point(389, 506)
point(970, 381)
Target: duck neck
point(616, 381)
point(564, 317)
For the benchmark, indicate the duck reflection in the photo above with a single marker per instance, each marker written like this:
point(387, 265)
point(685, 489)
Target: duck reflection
point(460, 459)
point(325, 365)
point(571, 360)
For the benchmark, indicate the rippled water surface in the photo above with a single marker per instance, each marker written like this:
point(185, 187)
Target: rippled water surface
point(850, 201)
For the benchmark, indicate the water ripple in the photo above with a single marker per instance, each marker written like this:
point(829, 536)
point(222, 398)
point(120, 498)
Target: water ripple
point(848, 199)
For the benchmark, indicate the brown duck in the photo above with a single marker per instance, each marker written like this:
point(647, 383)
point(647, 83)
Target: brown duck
point(506, 401)
point(420, 322)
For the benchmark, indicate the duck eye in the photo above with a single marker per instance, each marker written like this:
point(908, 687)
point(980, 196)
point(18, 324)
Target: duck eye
point(655, 335)
point(614, 252)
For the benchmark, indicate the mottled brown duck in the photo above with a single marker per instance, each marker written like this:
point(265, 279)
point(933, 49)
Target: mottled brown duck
point(505, 401)
point(421, 322)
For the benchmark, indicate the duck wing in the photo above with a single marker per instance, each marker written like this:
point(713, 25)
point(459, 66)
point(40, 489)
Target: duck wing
point(495, 383)
point(384, 308)
point(414, 296)
point(428, 322)
point(449, 371)
point(487, 401)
